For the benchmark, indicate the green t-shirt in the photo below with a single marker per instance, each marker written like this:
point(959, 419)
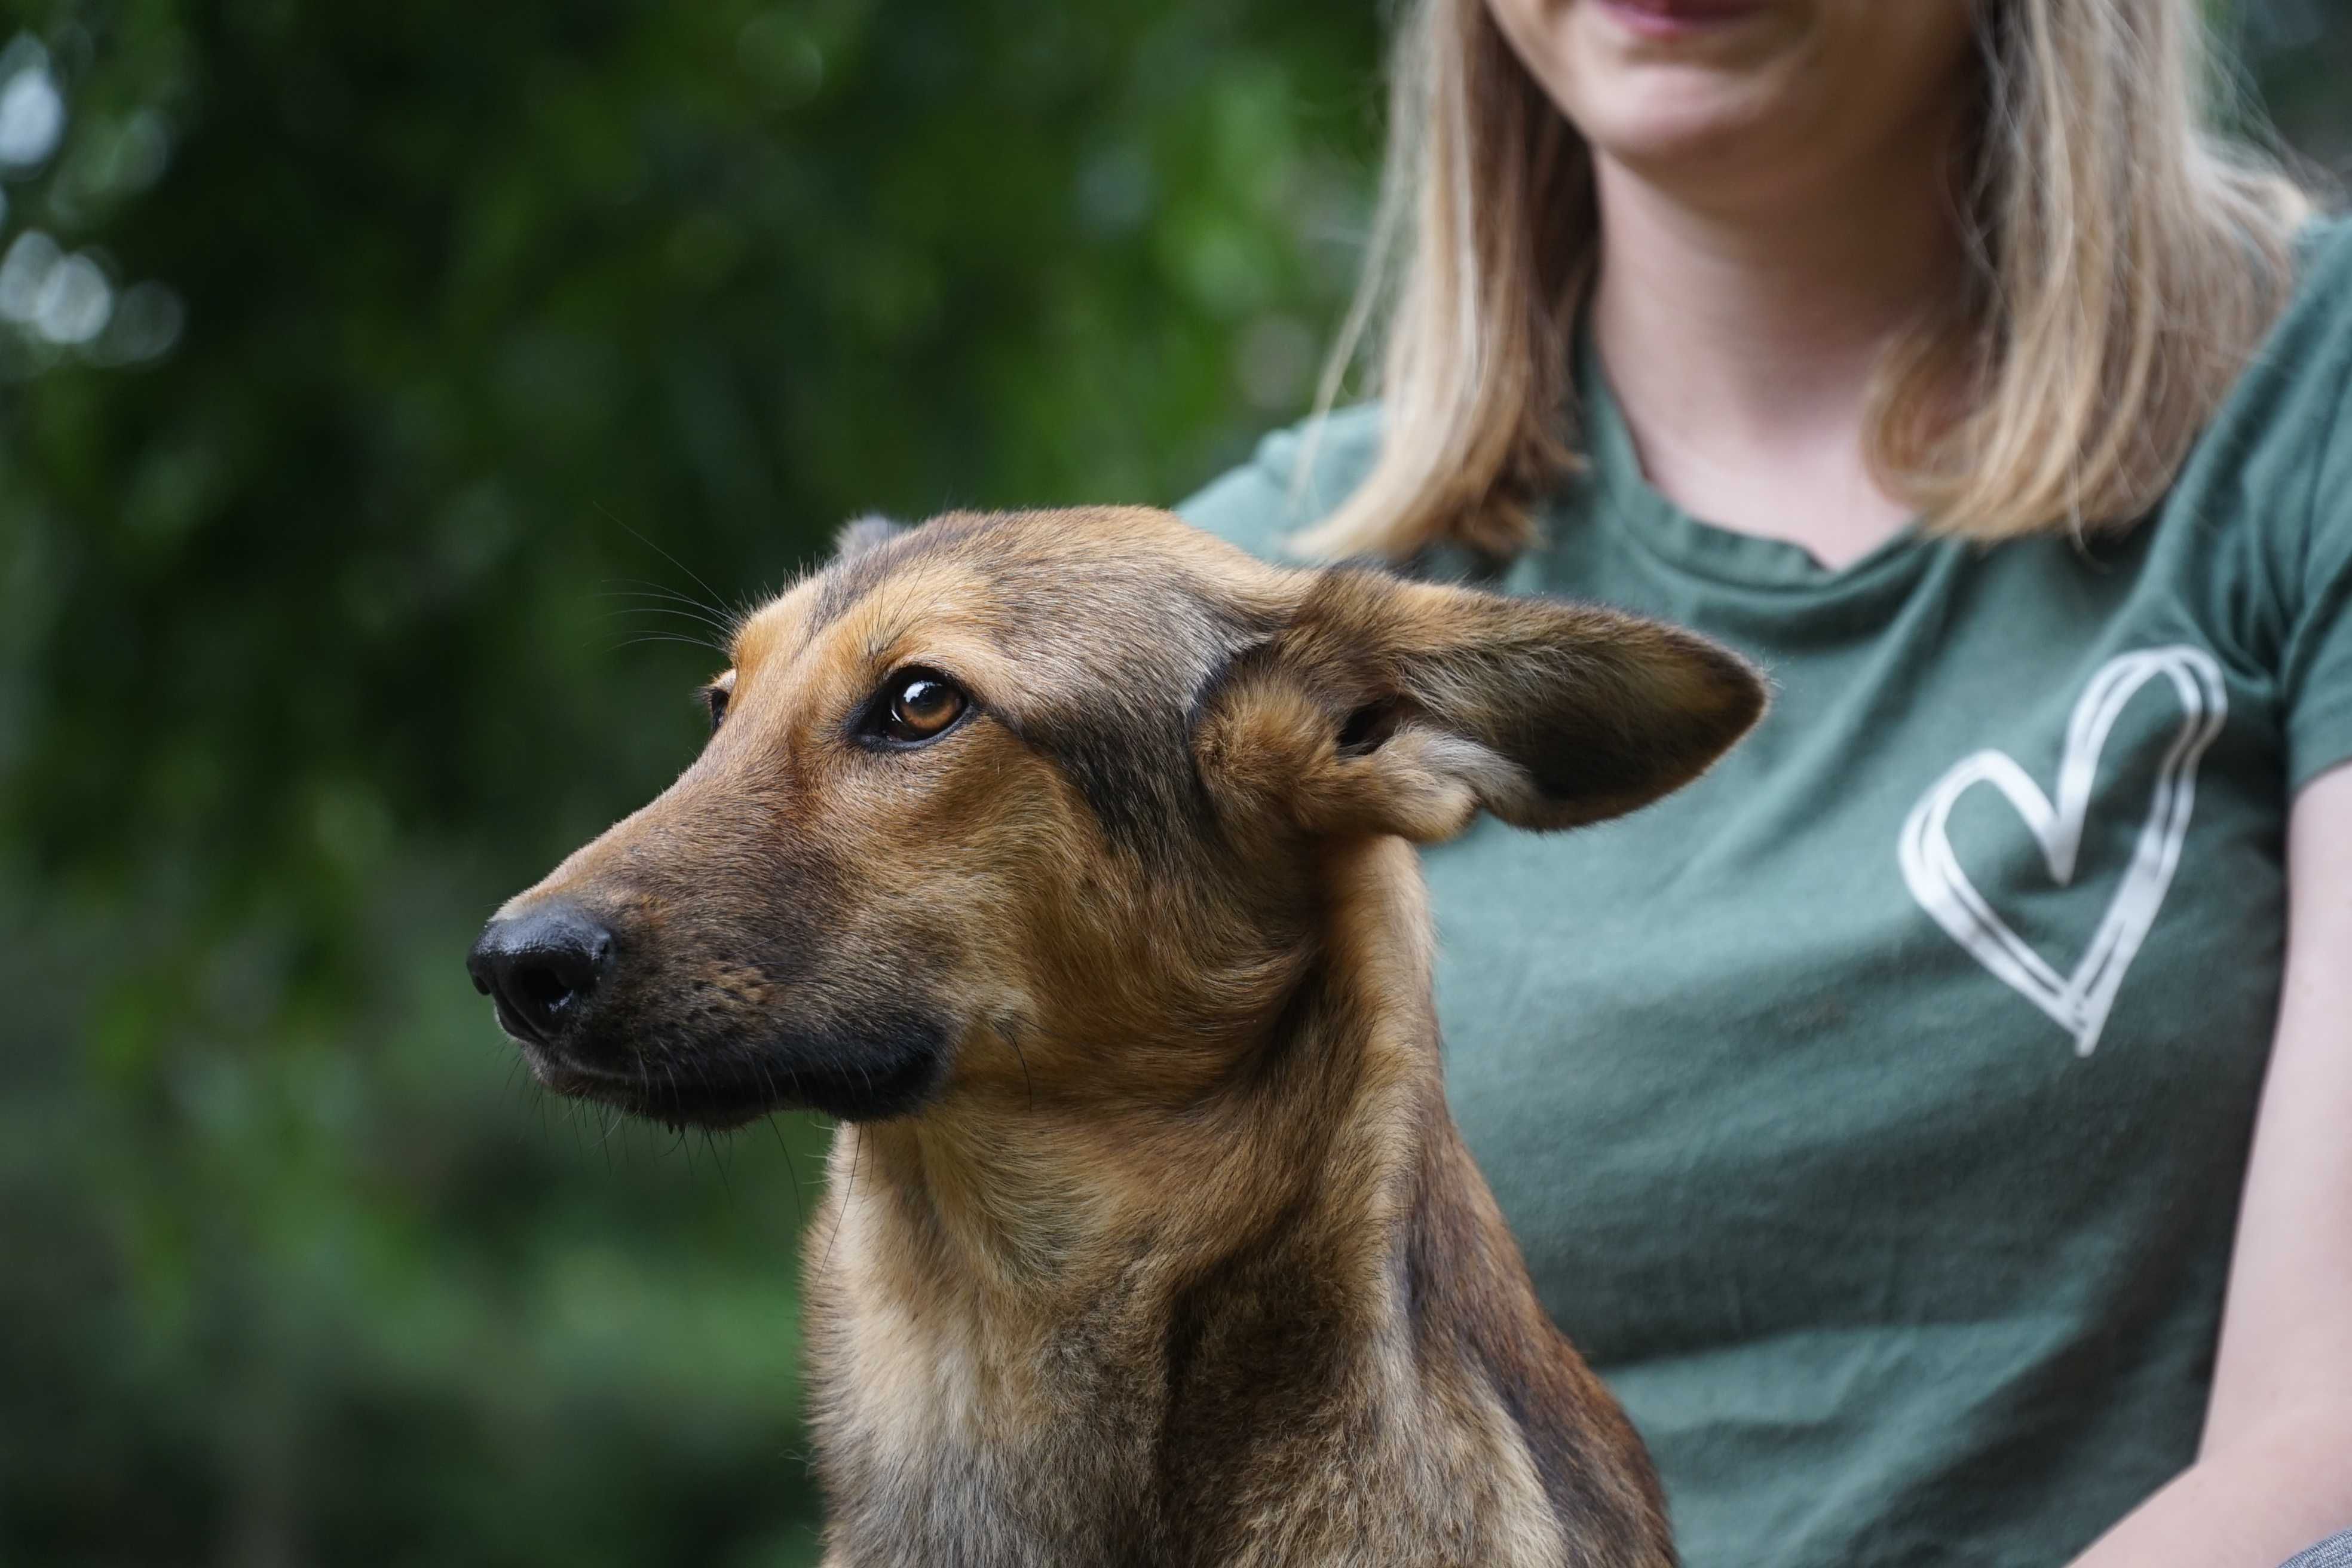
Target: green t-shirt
point(1873, 1112)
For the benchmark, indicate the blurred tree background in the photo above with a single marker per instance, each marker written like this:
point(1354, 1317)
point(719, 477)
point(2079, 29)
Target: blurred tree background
point(375, 384)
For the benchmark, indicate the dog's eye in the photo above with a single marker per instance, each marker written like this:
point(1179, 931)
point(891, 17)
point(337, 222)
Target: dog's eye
point(714, 697)
point(920, 706)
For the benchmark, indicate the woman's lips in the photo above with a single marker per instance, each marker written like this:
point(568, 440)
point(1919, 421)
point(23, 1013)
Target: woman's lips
point(1679, 18)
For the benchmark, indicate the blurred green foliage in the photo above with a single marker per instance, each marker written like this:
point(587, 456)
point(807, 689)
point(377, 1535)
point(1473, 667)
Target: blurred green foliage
point(330, 623)
point(369, 377)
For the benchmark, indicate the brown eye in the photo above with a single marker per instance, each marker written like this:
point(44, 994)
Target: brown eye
point(920, 705)
point(714, 698)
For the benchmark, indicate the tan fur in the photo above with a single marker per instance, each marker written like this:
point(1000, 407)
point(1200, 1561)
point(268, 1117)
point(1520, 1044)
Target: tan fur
point(1147, 1236)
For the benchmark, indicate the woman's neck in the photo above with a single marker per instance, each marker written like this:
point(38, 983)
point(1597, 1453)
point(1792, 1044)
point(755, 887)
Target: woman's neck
point(1742, 333)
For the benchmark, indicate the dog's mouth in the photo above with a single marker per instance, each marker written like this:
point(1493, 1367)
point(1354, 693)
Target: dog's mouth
point(869, 1075)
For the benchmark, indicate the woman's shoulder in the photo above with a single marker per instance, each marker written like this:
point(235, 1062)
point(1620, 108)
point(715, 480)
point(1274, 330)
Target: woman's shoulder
point(2315, 334)
point(2328, 299)
point(1296, 476)
point(2288, 420)
point(2256, 535)
point(2325, 247)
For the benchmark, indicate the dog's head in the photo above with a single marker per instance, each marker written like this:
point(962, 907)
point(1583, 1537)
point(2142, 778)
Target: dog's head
point(1035, 802)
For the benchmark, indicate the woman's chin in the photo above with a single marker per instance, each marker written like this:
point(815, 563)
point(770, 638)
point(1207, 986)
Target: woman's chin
point(1657, 108)
point(1687, 128)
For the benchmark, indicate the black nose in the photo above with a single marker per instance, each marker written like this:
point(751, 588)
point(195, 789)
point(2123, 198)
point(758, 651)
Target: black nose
point(541, 967)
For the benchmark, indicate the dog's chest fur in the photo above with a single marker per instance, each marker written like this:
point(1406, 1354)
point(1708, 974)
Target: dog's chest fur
point(1275, 1409)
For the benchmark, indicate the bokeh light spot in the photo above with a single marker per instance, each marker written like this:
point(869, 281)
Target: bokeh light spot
point(32, 110)
point(75, 302)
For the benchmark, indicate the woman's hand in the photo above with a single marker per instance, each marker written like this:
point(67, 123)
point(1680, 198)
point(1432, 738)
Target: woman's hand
point(2274, 1472)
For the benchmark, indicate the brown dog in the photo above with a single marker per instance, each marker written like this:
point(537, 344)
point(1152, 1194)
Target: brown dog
point(1063, 857)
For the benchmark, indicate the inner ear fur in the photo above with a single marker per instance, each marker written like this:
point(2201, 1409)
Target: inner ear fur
point(1396, 706)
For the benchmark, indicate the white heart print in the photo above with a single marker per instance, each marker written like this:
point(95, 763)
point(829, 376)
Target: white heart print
point(2078, 1002)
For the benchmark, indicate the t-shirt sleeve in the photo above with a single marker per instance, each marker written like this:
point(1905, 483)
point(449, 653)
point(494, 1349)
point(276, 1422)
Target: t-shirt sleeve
point(1262, 503)
point(2316, 670)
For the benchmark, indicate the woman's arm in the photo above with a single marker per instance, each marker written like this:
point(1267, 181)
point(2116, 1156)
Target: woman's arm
point(2274, 1472)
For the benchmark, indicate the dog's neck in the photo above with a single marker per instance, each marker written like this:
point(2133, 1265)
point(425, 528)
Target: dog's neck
point(1034, 1272)
point(1013, 1197)
point(1040, 1338)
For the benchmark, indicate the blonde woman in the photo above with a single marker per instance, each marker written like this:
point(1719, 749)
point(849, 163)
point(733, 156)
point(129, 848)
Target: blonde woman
point(1938, 1122)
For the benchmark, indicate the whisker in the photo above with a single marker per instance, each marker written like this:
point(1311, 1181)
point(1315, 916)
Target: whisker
point(718, 1158)
point(669, 636)
point(672, 605)
point(651, 588)
point(849, 1190)
point(697, 617)
point(682, 635)
point(665, 555)
point(1028, 1083)
point(799, 1209)
point(646, 588)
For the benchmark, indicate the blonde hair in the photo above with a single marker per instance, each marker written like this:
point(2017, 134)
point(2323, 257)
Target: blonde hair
point(2126, 262)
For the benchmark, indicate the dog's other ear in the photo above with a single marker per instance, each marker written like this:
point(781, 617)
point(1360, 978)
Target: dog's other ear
point(862, 535)
point(1394, 707)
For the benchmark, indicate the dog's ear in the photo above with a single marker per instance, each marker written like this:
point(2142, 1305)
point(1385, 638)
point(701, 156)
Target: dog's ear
point(1384, 706)
point(860, 535)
